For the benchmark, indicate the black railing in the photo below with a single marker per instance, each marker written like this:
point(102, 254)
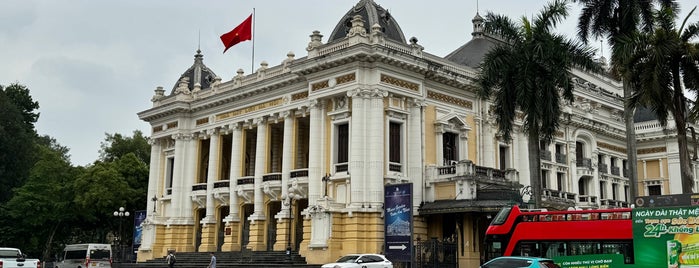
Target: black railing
point(446, 170)
point(602, 168)
point(342, 167)
point(396, 167)
point(221, 184)
point(482, 171)
point(272, 177)
point(615, 171)
point(561, 158)
point(244, 181)
point(299, 173)
point(545, 154)
point(198, 187)
point(583, 162)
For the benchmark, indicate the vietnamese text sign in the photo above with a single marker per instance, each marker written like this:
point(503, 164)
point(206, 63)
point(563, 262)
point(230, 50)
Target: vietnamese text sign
point(398, 215)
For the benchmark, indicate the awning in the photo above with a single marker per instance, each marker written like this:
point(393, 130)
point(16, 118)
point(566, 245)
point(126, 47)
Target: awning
point(453, 206)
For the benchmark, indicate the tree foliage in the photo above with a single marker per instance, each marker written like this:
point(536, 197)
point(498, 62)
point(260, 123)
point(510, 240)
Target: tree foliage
point(17, 135)
point(530, 73)
point(117, 145)
point(665, 59)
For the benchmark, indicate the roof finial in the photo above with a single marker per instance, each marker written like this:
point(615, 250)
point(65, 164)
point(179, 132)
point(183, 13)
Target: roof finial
point(199, 43)
point(477, 8)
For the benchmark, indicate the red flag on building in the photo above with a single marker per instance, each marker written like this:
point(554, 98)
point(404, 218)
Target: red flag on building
point(241, 33)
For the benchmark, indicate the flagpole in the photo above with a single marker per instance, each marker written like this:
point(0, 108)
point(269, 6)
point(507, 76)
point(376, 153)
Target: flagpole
point(252, 65)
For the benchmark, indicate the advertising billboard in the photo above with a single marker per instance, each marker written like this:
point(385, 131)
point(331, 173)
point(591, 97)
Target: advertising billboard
point(398, 224)
point(666, 237)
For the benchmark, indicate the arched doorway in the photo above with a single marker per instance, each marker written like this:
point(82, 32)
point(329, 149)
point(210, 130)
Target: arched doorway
point(272, 209)
point(197, 232)
point(222, 213)
point(248, 209)
point(299, 206)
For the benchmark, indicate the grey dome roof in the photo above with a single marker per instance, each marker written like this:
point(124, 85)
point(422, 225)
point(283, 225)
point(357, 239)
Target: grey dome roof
point(198, 73)
point(372, 14)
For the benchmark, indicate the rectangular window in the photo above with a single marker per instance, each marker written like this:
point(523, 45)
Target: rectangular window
point(394, 142)
point(614, 187)
point(169, 174)
point(450, 148)
point(544, 179)
point(342, 156)
point(504, 153)
point(559, 181)
point(654, 190)
point(394, 146)
point(602, 185)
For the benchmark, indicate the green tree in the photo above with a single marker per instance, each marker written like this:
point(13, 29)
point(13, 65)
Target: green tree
point(617, 20)
point(531, 73)
point(665, 60)
point(41, 210)
point(17, 118)
point(117, 145)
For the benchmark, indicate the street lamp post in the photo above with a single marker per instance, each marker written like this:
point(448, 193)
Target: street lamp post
point(120, 214)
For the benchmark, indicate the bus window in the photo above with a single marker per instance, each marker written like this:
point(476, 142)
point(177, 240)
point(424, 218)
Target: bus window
point(501, 217)
point(553, 249)
point(530, 249)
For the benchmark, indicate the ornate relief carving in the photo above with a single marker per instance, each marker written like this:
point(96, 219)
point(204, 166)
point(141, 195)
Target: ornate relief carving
point(172, 125)
point(157, 129)
point(450, 99)
point(612, 147)
point(320, 85)
point(346, 78)
point(399, 82)
point(250, 109)
point(202, 121)
point(652, 150)
point(299, 96)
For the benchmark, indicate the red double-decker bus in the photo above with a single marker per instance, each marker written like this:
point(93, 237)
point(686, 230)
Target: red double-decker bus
point(550, 234)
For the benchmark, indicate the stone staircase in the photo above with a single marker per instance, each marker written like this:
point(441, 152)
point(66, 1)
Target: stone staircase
point(237, 259)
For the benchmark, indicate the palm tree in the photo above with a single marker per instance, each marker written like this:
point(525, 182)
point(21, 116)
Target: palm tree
point(530, 72)
point(664, 61)
point(616, 20)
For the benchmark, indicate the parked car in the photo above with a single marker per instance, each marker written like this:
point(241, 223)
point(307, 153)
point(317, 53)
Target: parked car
point(86, 255)
point(523, 262)
point(13, 258)
point(360, 261)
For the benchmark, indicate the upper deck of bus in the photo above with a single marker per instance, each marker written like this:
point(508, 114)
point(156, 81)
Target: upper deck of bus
point(572, 224)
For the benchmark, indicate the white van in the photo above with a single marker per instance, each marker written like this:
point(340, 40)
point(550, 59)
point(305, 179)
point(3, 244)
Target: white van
point(86, 256)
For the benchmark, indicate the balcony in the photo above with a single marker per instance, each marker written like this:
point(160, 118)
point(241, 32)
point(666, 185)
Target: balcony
point(610, 203)
point(465, 169)
point(561, 158)
point(545, 155)
point(222, 184)
point(602, 168)
point(272, 177)
point(587, 201)
point(557, 199)
point(615, 171)
point(583, 162)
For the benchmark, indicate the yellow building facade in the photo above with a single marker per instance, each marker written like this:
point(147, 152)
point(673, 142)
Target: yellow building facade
point(297, 155)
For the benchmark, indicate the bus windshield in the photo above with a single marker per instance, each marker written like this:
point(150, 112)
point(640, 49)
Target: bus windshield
point(501, 217)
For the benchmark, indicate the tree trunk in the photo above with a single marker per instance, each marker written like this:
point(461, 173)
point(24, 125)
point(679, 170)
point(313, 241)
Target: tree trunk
point(630, 143)
point(535, 167)
point(679, 112)
point(49, 241)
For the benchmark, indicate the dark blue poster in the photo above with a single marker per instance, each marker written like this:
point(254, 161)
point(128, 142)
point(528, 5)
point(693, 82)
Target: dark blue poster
point(398, 224)
point(138, 218)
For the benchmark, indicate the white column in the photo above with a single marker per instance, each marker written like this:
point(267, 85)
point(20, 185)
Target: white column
point(260, 164)
point(463, 145)
point(154, 175)
point(439, 145)
point(177, 176)
point(286, 161)
point(375, 148)
point(414, 135)
point(489, 141)
point(358, 145)
point(573, 168)
point(235, 173)
point(211, 175)
point(661, 169)
point(190, 176)
point(154, 183)
point(315, 154)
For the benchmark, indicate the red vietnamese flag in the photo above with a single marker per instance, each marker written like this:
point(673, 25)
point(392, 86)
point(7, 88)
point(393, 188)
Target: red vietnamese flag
point(241, 33)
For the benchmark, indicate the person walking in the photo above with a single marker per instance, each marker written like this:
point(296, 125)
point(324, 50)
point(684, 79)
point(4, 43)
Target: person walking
point(170, 259)
point(212, 263)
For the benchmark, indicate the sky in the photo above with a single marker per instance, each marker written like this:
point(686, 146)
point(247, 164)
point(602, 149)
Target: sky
point(93, 64)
